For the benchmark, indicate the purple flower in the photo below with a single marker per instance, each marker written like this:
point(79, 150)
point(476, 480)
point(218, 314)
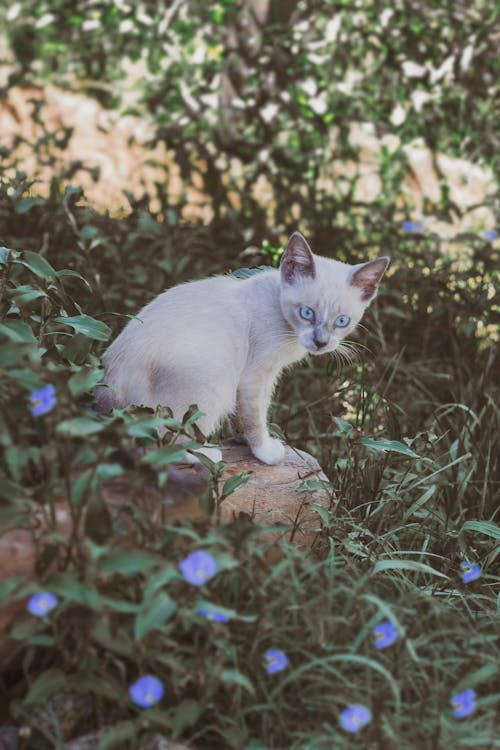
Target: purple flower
point(40, 604)
point(412, 227)
point(43, 400)
point(385, 634)
point(471, 571)
point(213, 614)
point(463, 703)
point(147, 691)
point(198, 567)
point(276, 660)
point(355, 717)
point(490, 235)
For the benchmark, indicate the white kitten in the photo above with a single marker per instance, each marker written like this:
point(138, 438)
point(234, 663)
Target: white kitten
point(222, 342)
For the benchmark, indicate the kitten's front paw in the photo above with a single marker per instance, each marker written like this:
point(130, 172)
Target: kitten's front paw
point(270, 451)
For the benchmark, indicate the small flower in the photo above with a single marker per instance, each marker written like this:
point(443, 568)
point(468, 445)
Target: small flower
point(385, 634)
point(490, 234)
point(213, 614)
point(40, 604)
point(355, 717)
point(413, 227)
point(43, 400)
point(464, 703)
point(147, 691)
point(198, 567)
point(276, 660)
point(471, 571)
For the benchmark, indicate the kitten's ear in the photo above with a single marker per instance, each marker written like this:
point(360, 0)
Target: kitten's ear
point(367, 276)
point(297, 260)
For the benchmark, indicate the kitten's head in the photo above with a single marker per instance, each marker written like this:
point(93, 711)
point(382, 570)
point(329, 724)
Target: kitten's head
point(324, 299)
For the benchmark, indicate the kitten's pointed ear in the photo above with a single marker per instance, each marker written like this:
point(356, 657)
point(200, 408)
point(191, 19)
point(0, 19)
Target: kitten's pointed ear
point(297, 260)
point(367, 276)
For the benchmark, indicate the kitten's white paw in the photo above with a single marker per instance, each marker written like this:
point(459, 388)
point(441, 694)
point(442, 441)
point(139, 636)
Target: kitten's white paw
point(270, 451)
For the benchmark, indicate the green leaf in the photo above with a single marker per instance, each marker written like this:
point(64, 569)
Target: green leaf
point(29, 379)
point(246, 273)
point(25, 293)
point(9, 489)
point(128, 562)
point(80, 486)
point(38, 264)
point(322, 512)
point(17, 331)
point(311, 485)
point(412, 565)
point(165, 455)
point(186, 714)
point(235, 677)
point(98, 523)
point(45, 685)
point(153, 613)
point(157, 580)
point(381, 445)
point(85, 380)
point(343, 425)
point(489, 528)
point(90, 327)
point(119, 735)
point(231, 484)
point(11, 354)
point(4, 255)
point(26, 204)
point(41, 640)
point(75, 274)
point(80, 427)
point(77, 349)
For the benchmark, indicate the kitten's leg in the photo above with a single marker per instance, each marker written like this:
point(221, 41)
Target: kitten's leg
point(237, 429)
point(254, 394)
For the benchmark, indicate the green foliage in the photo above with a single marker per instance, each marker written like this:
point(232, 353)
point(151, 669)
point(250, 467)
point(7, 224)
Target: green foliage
point(412, 456)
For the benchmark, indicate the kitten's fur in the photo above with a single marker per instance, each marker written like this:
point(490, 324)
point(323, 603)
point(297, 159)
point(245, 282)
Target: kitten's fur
point(222, 342)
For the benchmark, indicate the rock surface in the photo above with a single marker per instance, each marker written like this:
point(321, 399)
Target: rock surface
point(273, 496)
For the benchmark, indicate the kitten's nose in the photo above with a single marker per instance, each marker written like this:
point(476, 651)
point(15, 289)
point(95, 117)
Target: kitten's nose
point(319, 343)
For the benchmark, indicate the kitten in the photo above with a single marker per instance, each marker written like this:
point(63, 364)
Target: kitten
point(221, 342)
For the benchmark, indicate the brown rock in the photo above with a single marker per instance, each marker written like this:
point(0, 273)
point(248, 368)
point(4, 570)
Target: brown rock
point(273, 496)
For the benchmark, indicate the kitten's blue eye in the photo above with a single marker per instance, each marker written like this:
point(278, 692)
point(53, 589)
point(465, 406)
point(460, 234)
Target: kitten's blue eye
point(342, 321)
point(307, 313)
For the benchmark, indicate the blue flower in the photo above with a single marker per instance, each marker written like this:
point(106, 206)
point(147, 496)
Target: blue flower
point(213, 614)
point(276, 660)
point(385, 634)
point(413, 227)
point(490, 235)
point(472, 571)
point(355, 717)
point(463, 703)
point(147, 691)
point(40, 604)
point(198, 567)
point(43, 400)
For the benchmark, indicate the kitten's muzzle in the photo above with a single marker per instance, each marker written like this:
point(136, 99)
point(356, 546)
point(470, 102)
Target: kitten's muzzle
point(320, 343)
